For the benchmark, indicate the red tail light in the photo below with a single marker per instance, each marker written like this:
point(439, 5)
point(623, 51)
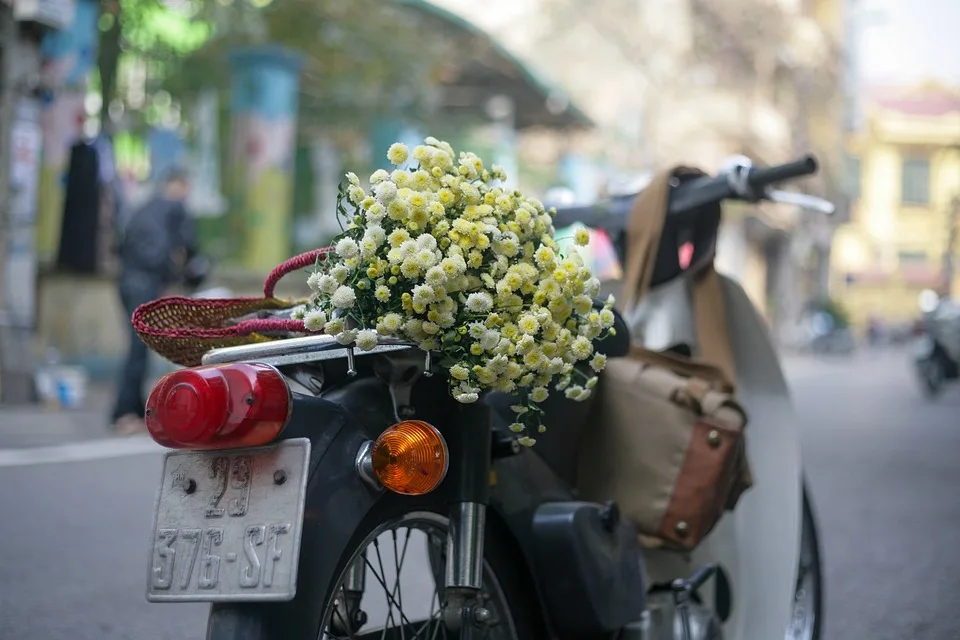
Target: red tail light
point(219, 407)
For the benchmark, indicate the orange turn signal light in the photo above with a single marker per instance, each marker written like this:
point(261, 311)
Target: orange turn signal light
point(410, 457)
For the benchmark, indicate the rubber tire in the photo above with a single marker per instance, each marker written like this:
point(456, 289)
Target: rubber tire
point(248, 621)
point(810, 528)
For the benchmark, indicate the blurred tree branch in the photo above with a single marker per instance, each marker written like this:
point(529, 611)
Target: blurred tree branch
point(754, 49)
point(361, 58)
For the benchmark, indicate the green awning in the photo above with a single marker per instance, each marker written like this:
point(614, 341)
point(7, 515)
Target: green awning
point(487, 69)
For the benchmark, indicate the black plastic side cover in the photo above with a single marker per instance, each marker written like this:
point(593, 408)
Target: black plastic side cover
point(589, 563)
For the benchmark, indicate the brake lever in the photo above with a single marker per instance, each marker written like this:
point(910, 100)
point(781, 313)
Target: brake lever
point(802, 200)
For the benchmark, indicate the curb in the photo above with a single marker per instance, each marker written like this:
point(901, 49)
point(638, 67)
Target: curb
point(80, 451)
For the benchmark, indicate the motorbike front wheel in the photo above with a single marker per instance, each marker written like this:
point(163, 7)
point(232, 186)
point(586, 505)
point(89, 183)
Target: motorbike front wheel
point(807, 619)
point(933, 373)
point(391, 586)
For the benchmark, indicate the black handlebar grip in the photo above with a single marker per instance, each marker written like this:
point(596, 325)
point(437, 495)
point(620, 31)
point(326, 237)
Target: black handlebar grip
point(764, 176)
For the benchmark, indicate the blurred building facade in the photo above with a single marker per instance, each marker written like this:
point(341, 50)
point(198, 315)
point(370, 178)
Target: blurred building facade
point(905, 175)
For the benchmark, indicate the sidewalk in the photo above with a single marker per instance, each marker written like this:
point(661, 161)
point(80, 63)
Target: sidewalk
point(27, 426)
point(24, 427)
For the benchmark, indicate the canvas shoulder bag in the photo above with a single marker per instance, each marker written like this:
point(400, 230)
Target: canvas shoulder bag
point(666, 441)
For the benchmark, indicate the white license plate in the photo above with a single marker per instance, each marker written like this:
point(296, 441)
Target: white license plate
point(923, 347)
point(228, 524)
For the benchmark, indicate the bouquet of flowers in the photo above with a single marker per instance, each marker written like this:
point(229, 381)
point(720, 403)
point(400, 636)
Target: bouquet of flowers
point(441, 254)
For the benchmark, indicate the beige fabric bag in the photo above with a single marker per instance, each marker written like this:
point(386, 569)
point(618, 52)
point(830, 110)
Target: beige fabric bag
point(666, 440)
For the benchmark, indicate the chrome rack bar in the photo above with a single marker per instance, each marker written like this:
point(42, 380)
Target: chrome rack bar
point(297, 351)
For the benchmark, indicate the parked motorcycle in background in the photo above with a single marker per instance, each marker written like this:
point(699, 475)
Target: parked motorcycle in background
point(937, 343)
point(280, 506)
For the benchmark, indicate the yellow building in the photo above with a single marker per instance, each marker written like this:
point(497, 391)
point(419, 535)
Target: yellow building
point(905, 174)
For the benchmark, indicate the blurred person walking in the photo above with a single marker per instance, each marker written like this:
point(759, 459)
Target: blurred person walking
point(157, 241)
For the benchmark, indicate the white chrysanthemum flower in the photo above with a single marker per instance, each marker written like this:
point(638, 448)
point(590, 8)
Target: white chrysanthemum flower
point(426, 241)
point(356, 194)
point(598, 362)
point(314, 280)
point(606, 318)
point(582, 304)
point(526, 441)
point(555, 365)
point(476, 330)
point(385, 192)
point(333, 327)
point(581, 237)
point(375, 213)
point(353, 179)
point(539, 394)
point(516, 427)
point(459, 372)
point(347, 336)
point(398, 153)
point(344, 297)
point(340, 273)
point(479, 302)
point(327, 284)
point(581, 348)
point(423, 294)
point(574, 392)
point(490, 340)
point(446, 319)
point(375, 233)
point(435, 276)
point(347, 248)
point(379, 176)
point(382, 293)
point(592, 287)
point(366, 339)
point(315, 320)
point(528, 324)
point(426, 258)
point(392, 323)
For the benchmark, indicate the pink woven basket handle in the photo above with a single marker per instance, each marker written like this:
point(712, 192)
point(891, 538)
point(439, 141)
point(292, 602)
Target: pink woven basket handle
point(295, 263)
point(243, 328)
point(263, 325)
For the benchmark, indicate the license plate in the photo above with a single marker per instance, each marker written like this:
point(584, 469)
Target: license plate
point(228, 524)
point(923, 347)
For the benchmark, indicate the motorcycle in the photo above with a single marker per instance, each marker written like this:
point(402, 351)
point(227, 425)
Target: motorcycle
point(936, 346)
point(307, 478)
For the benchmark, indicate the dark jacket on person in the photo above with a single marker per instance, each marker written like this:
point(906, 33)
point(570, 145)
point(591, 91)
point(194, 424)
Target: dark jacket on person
point(150, 238)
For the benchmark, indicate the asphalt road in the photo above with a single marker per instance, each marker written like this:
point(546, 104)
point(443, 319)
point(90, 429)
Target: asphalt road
point(882, 463)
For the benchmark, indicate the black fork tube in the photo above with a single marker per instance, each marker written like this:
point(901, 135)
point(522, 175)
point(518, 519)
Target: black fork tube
point(469, 443)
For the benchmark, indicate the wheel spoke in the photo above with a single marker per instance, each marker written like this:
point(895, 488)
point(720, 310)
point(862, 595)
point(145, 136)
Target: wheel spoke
point(424, 620)
point(382, 580)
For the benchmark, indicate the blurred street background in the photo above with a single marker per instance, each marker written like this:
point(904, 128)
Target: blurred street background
point(268, 102)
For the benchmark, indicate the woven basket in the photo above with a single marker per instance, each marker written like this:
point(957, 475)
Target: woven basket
point(183, 329)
